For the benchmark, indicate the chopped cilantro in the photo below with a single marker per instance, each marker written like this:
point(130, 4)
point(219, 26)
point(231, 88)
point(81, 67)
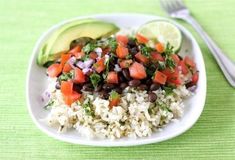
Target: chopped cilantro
point(87, 106)
point(145, 50)
point(112, 44)
point(161, 65)
point(89, 47)
point(114, 95)
point(86, 57)
point(49, 104)
point(168, 59)
point(169, 49)
point(150, 70)
point(95, 79)
point(66, 76)
point(170, 62)
point(111, 58)
point(168, 89)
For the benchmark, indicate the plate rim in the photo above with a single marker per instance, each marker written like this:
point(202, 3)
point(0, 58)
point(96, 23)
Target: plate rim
point(137, 141)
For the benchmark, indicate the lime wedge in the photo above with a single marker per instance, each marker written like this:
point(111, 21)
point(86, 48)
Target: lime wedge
point(162, 31)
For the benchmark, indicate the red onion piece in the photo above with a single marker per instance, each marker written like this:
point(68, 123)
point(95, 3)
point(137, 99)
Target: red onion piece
point(80, 64)
point(88, 63)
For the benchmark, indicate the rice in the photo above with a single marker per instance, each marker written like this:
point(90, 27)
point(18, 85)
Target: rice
point(134, 117)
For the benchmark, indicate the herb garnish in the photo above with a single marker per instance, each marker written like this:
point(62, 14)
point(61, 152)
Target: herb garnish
point(88, 108)
point(170, 62)
point(112, 44)
point(109, 60)
point(169, 49)
point(145, 50)
point(66, 76)
point(150, 70)
point(89, 47)
point(168, 89)
point(85, 57)
point(168, 52)
point(161, 65)
point(95, 79)
point(49, 104)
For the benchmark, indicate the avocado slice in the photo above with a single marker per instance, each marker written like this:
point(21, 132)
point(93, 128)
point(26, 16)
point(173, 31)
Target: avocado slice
point(60, 40)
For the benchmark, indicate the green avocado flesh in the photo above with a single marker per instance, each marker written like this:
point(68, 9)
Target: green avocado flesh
point(60, 40)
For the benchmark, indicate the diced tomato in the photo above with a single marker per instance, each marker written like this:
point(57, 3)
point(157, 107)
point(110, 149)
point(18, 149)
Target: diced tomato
point(174, 79)
point(184, 68)
point(67, 68)
point(71, 98)
point(141, 58)
point(99, 65)
point(79, 76)
point(125, 63)
point(195, 78)
point(176, 58)
point(122, 39)
point(112, 77)
point(159, 47)
point(114, 102)
point(64, 58)
point(93, 55)
point(66, 87)
point(172, 76)
point(54, 70)
point(159, 77)
point(189, 62)
point(137, 71)
point(114, 99)
point(121, 51)
point(77, 52)
point(167, 72)
point(141, 39)
point(157, 57)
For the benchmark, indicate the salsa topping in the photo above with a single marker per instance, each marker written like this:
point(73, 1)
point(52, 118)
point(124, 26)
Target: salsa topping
point(107, 66)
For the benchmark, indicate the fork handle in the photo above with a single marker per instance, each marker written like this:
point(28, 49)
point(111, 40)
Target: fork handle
point(226, 64)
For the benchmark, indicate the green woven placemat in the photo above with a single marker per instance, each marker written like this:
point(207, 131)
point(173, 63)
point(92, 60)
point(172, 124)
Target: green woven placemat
point(21, 24)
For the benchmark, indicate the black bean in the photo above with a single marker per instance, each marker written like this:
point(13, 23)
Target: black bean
point(131, 43)
point(143, 87)
point(126, 74)
point(111, 67)
point(87, 87)
point(134, 83)
point(103, 94)
point(148, 82)
point(123, 85)
point(133, 51)
point(118, 90)
point(152, 97)
point(154, 87)
point(121, 77)
point(189, 84)
point(77, 87)
point(57, 86)
point(108, 86)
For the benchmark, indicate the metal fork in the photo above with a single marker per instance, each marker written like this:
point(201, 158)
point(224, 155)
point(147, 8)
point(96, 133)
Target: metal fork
point(176, 9)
